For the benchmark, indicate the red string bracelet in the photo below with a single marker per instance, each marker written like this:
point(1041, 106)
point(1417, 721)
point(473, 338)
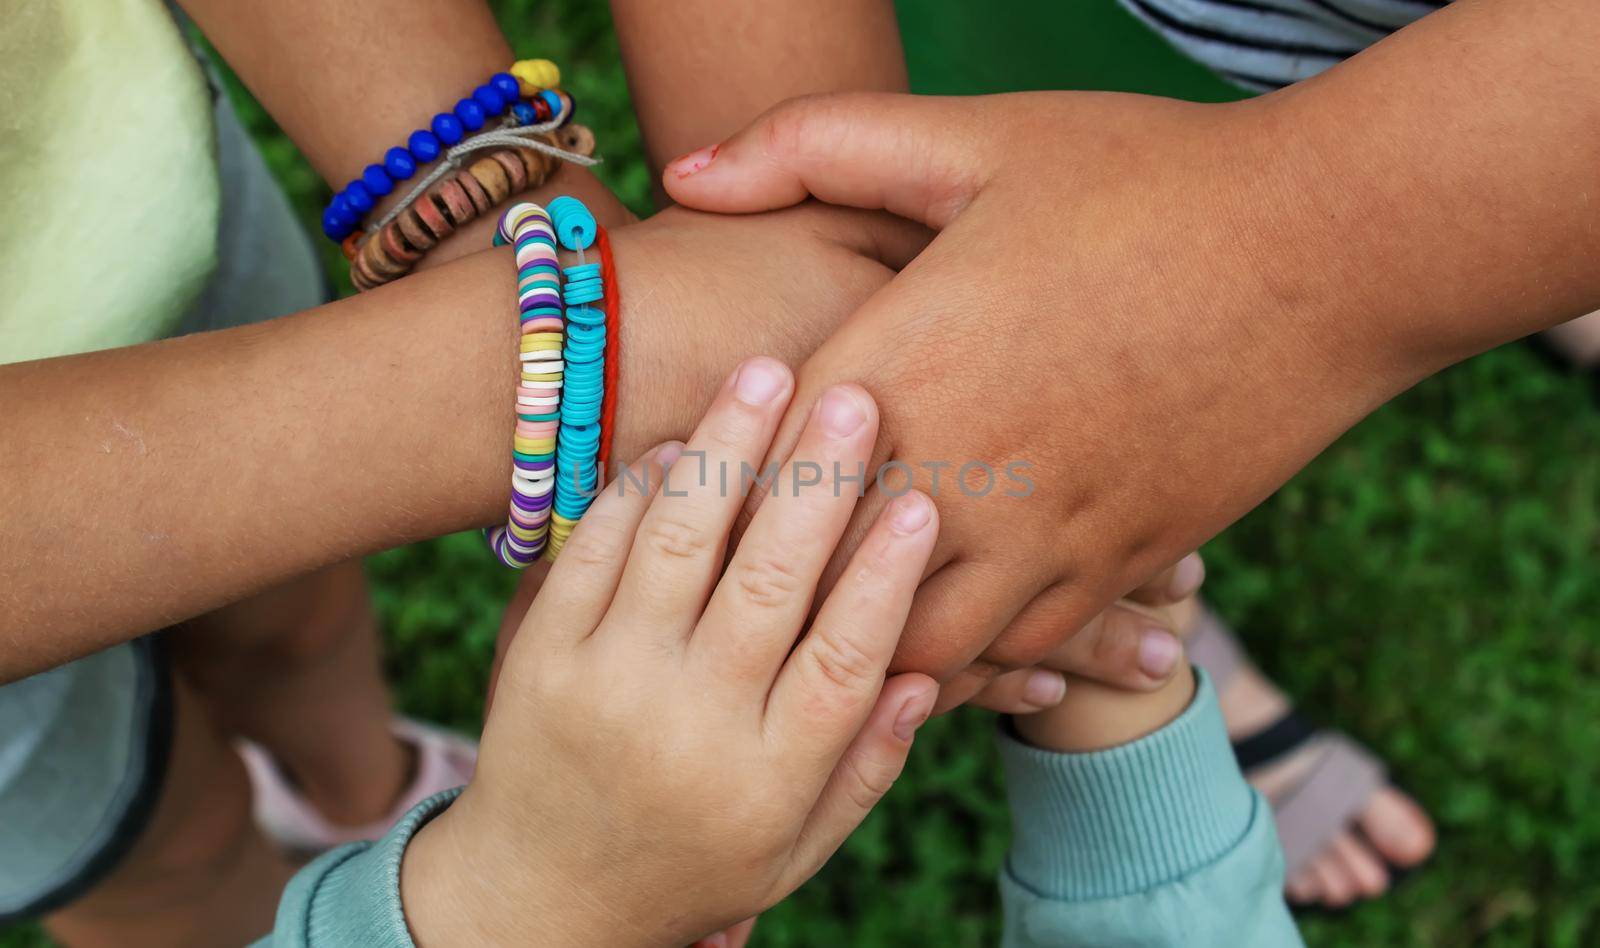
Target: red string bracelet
point(608, 406)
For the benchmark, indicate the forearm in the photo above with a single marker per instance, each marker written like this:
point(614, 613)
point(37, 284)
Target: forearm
point(146, 485)
point(347, 81)
point(699, 70)
point(1447, 180)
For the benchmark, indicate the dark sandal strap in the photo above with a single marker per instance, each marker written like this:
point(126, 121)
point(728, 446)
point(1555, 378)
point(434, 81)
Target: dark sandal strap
point(1284, 736)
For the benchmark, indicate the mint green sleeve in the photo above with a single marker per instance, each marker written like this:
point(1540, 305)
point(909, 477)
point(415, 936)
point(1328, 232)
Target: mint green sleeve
point(1156, 842)
point(350, 897)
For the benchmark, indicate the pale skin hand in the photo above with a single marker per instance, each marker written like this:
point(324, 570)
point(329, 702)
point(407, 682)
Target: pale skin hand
point(662, 758)
point(1192, 300)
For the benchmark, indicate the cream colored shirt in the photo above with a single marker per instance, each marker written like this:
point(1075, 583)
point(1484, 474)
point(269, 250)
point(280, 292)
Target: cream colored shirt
point(109, 190)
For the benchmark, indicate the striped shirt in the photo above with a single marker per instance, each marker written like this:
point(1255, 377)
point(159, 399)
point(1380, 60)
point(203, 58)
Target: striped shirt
point(1268, 44)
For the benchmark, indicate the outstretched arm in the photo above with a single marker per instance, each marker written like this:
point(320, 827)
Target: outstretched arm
point(149, 484)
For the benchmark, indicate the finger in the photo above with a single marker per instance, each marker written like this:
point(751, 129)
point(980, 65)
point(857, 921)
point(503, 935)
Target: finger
point(677, 551)
point(739, 935)
point(577, 589)
point(922, 158)
point(965, 685)
point(1174, 584)
point(956, 617)
point(832, 679)
point(1125, 646)
point(761, 602)
point(869, 766)
point(1024, 691)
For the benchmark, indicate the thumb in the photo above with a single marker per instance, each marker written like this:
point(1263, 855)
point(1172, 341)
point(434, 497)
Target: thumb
point(865, 773)
point(916, 156)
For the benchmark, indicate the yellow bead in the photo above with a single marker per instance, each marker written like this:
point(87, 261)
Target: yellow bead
point(535, 75)
point(524, 534)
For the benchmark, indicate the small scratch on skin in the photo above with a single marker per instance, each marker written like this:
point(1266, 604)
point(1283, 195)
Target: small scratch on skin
point(131, 435)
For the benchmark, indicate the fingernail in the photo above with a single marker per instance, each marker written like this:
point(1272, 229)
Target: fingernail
point(759, 382)
point(719, 940)
point(841, 413)
point(910, 513)
point(914, 713)
point(688, 164)
point(1186, 579)
point(669, 453)
point(1158, 653)
point(1044, 689)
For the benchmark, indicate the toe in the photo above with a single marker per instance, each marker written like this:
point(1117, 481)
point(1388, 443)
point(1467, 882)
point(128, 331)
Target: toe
point(1398, 827)
point(1338, 889)
point(1361, 865)
point(1302, 888)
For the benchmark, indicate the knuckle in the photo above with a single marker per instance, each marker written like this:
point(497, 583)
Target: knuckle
point(868, 782)
point(597, 542)
point(735, 429)
point(1116, 642)
point(672, 538)
point(840, 663)
point(767, 582)
point(792, 126)
point(1021, 649)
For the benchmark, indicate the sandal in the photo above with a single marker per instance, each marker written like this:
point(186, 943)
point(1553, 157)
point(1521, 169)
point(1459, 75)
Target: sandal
point(1330, 796)
point(1572, 347)
point(444, 760)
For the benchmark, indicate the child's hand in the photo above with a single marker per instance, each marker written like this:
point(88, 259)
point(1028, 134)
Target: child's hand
point(662, 758)
point(1094, 716)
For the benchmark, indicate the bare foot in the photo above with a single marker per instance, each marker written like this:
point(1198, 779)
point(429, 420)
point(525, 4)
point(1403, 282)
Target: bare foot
point(1390, 830)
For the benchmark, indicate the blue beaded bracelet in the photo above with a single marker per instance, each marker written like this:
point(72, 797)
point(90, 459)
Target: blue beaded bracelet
point(502, 93)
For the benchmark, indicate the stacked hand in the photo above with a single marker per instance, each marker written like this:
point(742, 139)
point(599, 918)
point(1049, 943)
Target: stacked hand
point(702, 291)
point(662, 758)
point(1091, 310)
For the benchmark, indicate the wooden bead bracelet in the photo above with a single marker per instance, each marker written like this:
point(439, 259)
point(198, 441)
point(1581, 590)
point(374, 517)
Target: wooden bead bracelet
point(452, 203)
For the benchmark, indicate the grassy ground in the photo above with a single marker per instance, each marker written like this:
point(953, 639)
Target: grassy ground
point(1427, 584)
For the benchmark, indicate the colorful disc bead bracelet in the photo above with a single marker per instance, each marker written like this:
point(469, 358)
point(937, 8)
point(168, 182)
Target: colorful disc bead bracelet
point(528, 228)
point(561, 393)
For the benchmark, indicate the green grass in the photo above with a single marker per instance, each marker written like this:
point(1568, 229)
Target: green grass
point(1427, 584)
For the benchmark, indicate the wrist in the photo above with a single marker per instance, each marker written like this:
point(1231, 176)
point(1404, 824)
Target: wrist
point(567, 179)
point(1295, 218)
point(671, 363)
point(1095, 717)
point(457, 891)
